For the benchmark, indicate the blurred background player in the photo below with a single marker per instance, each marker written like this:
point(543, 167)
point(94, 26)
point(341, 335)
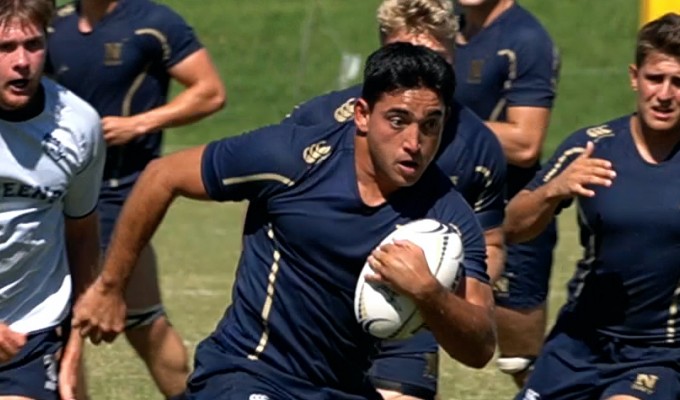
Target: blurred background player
point(507, 69)
point(469, 154)
point(51, 161)
point(316, 213)
point(617, 337)
point(120, 57)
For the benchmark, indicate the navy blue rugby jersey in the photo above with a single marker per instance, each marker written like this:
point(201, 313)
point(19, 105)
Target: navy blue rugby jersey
point(121, 67)
point(627, 284)
point(510, 63)
point(469, 154)
point(307, 236)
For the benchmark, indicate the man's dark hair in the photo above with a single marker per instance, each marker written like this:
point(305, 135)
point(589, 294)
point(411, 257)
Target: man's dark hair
point(402, 66)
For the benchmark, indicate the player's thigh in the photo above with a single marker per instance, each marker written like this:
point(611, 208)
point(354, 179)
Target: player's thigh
point(395, 395)
point(407, 367)
point(566, 369)
point(143, 291)
point(525, 280)
point(621, 397)
point(16, 398)
point(34, 371)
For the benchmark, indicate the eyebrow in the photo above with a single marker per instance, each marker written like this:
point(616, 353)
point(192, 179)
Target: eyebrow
point(404, 112)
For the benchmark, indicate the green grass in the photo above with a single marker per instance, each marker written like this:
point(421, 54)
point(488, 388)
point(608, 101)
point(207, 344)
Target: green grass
point(274, 54)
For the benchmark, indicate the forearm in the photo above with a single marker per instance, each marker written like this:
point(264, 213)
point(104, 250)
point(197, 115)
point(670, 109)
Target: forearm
point(529, 213)
point(495, 261)
point(139, 220)
point(191, 105)
point(466, 331)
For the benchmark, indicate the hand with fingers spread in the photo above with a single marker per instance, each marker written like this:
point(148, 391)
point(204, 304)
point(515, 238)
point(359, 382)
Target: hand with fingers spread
point(11, 343)
point(583, 172)
point(402, 266)
point(100, 313)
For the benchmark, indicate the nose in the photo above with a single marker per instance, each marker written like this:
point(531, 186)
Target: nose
point(21, 59)
point(411, 142)
point(665, 92)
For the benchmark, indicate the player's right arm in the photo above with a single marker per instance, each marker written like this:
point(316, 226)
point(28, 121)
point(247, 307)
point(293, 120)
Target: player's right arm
point(571, 172)
point(249, 166)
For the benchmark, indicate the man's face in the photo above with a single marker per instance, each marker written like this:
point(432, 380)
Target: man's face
point(657, 82)
point(403, 131)
point(22, 57)
point(442, 47)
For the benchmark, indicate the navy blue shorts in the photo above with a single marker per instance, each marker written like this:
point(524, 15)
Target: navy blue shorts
point(584, 367)
point(33, 372)
point(111, 199)
point(408, 366)
point(218, 376)
point(526, 277)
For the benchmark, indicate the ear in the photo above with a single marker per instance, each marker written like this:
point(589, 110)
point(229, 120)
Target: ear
point(633, 74)
point(362, 115)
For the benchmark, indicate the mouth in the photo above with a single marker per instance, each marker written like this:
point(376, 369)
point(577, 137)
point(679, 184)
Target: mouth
point(409, 166)
point(662, 113)
point(18, 85)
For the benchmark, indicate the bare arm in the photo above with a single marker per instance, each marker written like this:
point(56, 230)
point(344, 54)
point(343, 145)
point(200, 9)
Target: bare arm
point(494, 240)
point(461, 322)
point(101, 311)
point(529, 212)
point(160, 183)
point(203, 94)
point(522, 134)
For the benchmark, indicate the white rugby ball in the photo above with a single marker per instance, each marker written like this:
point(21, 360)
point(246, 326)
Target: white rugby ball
point(386, 314)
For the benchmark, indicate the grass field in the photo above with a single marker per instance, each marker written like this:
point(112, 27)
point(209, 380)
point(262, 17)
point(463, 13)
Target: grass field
point(274, 54)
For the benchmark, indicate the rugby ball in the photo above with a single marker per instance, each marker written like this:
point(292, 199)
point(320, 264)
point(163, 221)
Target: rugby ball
point(386, 314)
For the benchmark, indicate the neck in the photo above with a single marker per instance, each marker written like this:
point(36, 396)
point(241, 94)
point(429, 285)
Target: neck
point(654, 146)
point(372, 193)
point(92, 11)
point(31, 110)
point(478, 17)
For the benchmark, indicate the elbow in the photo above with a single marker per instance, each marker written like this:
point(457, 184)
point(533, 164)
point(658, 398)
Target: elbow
point(483, 356)
point(218, 99)
point(525, 158)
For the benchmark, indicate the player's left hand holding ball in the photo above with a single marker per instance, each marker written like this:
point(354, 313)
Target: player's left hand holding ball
point(402, 265)
point(100, 312)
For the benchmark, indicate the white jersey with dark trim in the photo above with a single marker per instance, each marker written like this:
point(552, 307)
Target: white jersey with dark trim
point(50, 168)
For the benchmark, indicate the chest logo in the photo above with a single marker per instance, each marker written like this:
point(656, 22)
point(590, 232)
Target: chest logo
point(475, 72)
point(53, 147)
point(345, 111)
point(599, 132)
point(113, 53)
point(316, 153)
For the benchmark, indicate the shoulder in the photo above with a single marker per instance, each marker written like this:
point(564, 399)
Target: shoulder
point(335, 106)
point(63, 15)
point(73, 113)
point(603, 134)
point(154, 14)
point(524, 28)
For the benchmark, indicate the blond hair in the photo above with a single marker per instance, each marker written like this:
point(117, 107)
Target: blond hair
point(434, 17)
point(38, 12)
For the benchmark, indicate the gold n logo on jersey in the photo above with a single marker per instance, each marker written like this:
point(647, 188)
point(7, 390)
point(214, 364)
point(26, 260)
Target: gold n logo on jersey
point(345, 111)
point(316, 153)
point(645, 383)
point(113, 53)
point(475, 73)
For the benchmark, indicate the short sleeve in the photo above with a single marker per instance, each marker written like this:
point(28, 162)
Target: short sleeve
point(490, 173)
point(169, 36)
point(251, 166)
point(534, 65)
point(458, 213)
point(83, 191)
